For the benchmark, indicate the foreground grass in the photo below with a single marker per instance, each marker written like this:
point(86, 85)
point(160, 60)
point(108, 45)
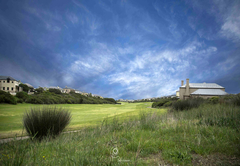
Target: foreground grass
point(82, 115)
point(151, 138)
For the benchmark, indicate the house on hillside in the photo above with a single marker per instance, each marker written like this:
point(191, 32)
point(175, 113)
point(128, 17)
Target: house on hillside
point(9, 84)
point(97, 96)
point(68, 90)
point(55, 87)
point(204, 90)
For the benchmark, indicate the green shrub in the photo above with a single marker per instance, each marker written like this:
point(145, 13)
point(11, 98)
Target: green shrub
point(6, 97)
point(236, 100)
point(111, 100)
point(22, 95)
point(56, 91)
point(168, 104)
point(39, 90)
point(46, 121)
point(181, 105)
point(214, 100)
point(160, 103)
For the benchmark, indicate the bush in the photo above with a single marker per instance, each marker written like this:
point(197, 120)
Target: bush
point(168, 104)
point(236, 100)
point(214, 100)
point(6, 97)
point(111, 100)
point(22, 95)
point(56, 91)
point(39, 90)
point(160, 103)
point(46, 121)
point(181, 105)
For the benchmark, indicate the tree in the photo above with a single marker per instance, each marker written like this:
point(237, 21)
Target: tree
point(39, 90)
point(25, 87)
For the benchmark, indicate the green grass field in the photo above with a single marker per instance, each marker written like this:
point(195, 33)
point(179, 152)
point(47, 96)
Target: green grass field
point(82, 115)
point(135, 135)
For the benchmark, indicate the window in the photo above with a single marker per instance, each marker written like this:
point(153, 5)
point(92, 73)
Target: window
point(12, 88)
point(0, 81)
point(7, 88)
point(3, 81)
point(12, 81)
point(3, 88)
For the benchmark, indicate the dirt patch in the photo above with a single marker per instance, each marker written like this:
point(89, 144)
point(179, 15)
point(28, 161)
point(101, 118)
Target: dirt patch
point(215, 160)
point(197, 160)
point(156, 160)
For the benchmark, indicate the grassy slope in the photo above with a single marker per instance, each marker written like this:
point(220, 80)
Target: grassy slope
point(82, 115)
point(148, 139)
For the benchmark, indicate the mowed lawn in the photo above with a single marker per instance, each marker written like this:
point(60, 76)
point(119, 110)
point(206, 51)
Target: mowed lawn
point(82, 115)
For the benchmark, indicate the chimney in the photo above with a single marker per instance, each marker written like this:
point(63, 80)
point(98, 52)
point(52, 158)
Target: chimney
point(187, 86)
point(182, 83)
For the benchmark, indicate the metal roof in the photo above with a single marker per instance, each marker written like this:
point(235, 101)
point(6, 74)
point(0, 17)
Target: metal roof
point(211, 92)
point(6, 77)
point(203, 85)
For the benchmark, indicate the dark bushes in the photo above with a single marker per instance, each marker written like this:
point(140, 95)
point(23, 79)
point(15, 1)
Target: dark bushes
point(56, 91)
point(6, 97)
point(22, 95)
point(160, 103)
point(181, 105)
point(46, 121)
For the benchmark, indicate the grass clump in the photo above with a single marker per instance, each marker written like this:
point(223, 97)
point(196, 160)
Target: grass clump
point(46, 121)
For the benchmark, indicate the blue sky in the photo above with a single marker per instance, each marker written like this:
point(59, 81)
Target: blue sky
point(128, 49)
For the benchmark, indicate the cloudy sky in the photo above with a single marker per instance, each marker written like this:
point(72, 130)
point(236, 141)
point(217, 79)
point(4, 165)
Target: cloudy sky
point(128, 49)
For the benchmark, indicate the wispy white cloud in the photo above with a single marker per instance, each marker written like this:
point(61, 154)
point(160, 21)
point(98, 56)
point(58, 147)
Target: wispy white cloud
point(50, 19)
point(80, 5)
point(72, 17)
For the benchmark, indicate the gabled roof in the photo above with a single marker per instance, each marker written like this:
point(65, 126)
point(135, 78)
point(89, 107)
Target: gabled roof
point(6, 77)
point(29, 85)
point(210, 92)
point(203, 85)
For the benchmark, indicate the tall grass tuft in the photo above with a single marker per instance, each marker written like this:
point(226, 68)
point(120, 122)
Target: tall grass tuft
point(45, 121)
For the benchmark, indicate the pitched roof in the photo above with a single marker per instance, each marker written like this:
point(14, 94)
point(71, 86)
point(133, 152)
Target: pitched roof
point(29, 85)
point(211, 92)
point(6, 77)
point(203, 85)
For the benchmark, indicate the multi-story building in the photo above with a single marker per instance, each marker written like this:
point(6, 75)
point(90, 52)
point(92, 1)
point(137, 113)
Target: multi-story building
point(9, 84)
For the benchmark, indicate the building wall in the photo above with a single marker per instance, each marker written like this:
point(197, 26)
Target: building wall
point(177, 93)
point(9, 87)
point(182, 92)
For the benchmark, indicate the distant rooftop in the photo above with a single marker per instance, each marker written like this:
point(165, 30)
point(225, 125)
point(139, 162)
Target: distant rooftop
point(211, 92)
point(203, 85)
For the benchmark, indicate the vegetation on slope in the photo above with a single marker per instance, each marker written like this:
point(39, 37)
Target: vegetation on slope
point(178, 137)
point(52, 97)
